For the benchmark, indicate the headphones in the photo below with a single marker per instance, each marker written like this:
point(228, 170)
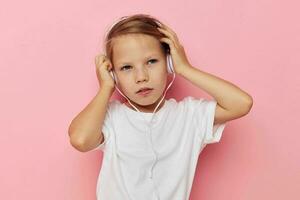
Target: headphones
point(170, 67)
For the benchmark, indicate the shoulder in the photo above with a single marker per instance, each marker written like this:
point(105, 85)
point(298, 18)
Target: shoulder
point(190, 101)
point(186, 99)
point(115, 103)
point(114, 106)
point(199, 106)
point(191, 104)
point(194, 101)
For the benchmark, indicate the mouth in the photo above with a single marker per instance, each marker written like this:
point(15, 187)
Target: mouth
point(144, 91)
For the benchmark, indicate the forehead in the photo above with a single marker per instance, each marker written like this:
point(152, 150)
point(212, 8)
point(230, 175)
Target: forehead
point(134, 46)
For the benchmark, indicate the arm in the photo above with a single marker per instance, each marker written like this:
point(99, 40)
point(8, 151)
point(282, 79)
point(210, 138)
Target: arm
point(232, 102)
point(85, 129)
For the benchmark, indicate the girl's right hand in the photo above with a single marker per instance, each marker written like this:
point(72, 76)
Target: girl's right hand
point(103, 66)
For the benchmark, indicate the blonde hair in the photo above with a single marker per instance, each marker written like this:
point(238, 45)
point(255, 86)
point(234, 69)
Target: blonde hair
point(133, 24)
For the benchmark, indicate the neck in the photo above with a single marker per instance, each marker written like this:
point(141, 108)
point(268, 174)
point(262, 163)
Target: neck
point(148, 108)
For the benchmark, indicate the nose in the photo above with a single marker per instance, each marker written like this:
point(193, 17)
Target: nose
point(141, 75)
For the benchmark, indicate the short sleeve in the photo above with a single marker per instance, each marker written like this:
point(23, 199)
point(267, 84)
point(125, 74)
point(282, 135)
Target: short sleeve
point(204, 114)
point(106, 128)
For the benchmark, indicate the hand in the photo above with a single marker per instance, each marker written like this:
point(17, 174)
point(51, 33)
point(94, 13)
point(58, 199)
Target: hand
point(103, 66)
point(179, 59)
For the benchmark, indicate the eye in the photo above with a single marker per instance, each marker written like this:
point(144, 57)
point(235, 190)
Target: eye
point(154, 60)
point(128, 66)
point(125, 67)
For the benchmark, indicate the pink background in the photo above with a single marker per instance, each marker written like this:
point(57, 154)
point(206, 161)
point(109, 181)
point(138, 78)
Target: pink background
point(48, 76)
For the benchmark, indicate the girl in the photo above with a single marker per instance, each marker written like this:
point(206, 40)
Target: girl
point(151, 145)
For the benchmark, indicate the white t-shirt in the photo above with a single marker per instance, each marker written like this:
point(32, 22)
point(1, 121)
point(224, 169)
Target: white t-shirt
point(158, 165)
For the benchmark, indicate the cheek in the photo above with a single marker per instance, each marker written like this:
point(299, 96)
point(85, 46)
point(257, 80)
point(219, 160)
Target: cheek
point(125, 84)
point(161, 79)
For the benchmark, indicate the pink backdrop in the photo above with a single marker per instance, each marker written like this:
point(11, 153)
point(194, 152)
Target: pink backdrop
point(48, 76)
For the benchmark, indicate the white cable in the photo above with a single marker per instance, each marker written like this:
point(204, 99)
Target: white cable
point(157, 104)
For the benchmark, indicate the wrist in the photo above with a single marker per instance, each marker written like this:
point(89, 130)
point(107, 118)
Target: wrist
point(107, 89)
point(185, 69)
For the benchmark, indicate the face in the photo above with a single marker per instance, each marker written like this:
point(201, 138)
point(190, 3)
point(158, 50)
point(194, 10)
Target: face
point(139, 61)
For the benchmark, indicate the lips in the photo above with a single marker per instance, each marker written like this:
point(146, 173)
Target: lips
point(144, 89)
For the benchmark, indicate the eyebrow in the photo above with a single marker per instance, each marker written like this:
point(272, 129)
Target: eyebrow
point(127, 63)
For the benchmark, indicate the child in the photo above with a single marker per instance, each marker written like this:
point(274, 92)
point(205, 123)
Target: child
point(151, 145)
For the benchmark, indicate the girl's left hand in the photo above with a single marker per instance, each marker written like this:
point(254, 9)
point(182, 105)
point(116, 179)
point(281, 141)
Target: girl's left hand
point(179, 59)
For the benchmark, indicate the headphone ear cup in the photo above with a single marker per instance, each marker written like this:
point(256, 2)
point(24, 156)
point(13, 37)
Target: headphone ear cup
point(170, 64)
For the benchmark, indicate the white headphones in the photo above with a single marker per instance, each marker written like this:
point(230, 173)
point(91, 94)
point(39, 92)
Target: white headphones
point(170, 67)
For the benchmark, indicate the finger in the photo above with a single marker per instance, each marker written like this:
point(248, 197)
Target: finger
point(167, 28)
point(97, 59)
point(100, 59)
point(169, 42)
point(171, 36)
point(174, 43)
point(107, 64)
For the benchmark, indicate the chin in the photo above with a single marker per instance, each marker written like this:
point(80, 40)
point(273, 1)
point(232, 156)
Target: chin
point(141, 101)
point(149, 101)
point(144, 102)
